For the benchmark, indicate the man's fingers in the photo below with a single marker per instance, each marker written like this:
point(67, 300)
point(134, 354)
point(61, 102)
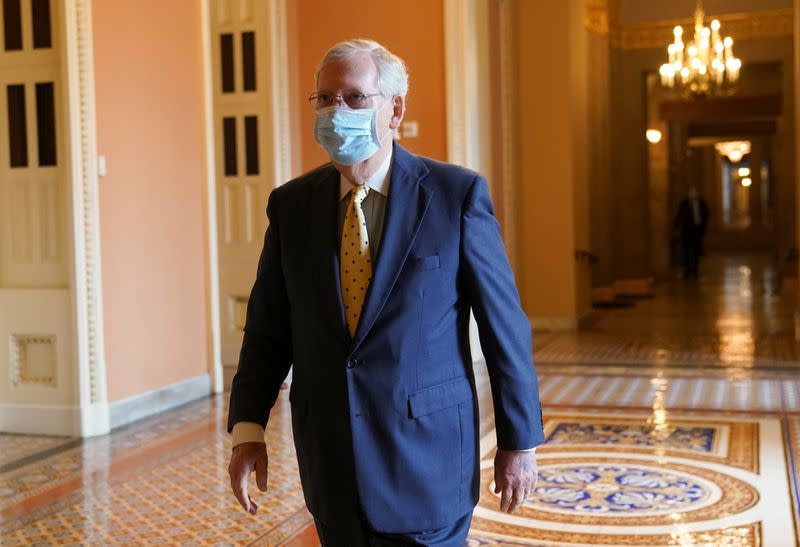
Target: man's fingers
point(517, 499)
point(261, 473)
point(245, 500)
point(241, 496)
point(246, 458)
point(505, 499)
point(239, 477)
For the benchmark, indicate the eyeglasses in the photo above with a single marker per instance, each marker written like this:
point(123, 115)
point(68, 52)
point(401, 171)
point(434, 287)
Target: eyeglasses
point(353, 99)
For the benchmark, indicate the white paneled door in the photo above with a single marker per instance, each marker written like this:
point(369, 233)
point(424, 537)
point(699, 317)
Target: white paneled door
point(243, 68)
point(36, 363)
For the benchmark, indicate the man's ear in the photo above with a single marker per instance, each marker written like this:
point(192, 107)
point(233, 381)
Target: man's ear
point(398, 113)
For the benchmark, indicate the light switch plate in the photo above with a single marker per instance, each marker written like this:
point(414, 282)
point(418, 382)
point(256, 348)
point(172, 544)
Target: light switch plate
point(101, 166)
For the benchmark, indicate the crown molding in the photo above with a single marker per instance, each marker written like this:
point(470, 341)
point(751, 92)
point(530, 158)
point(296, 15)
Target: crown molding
point(656, 34)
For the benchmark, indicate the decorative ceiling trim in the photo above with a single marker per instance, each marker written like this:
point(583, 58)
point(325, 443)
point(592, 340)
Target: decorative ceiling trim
point(744, 26)
point(654, 34)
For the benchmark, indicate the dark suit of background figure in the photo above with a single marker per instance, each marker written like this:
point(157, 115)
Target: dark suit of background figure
point(691, 222)
point(386, 423)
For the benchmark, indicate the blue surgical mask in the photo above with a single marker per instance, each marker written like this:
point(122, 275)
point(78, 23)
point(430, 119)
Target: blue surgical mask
point(348, 136)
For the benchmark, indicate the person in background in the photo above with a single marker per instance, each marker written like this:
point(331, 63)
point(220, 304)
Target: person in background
point(690, 226)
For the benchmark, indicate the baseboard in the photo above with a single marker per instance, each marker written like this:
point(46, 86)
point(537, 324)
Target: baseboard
point(94, 420)
point(159, 400)
point(553, 324)
point(588, 319)
point(40, 419)
point(69, 421)
point(636, 287)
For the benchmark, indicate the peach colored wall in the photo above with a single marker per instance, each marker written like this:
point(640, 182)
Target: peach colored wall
point(148, 75)
point(413, 29)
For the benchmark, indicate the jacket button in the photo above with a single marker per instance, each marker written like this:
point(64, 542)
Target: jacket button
point(350, 363)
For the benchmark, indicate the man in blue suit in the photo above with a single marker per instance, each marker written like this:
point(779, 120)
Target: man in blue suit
point(370, 267)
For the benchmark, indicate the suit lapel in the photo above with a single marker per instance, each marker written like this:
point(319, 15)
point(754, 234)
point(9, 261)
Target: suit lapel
point(405, 208)
point(325, 246)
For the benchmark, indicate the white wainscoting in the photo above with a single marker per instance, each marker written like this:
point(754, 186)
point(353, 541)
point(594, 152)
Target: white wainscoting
point(150, 403)
point(37, 372)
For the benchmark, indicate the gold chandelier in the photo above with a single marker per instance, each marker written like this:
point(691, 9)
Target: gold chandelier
point(733, 150)
point(703, 66)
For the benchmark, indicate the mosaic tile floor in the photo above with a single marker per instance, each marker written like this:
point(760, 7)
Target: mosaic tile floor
point(648, 452)
point(16, 448)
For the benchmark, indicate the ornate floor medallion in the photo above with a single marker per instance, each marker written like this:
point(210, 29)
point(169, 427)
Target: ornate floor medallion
point(619, 481)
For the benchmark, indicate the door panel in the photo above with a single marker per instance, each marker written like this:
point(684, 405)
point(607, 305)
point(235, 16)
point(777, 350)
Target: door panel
point(240, 65)
point(36, 337)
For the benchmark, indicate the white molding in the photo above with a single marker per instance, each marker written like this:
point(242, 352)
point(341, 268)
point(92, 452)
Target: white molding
point(275, 106)
point(33, 419)
point(92, 392)
point(94, 419)
point(280, 104)
point(457, 49)
point(156, 401)
point(467, 84)
point(212, 244)
point(76, 421)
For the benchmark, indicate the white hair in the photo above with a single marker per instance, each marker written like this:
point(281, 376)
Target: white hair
point(392, 73)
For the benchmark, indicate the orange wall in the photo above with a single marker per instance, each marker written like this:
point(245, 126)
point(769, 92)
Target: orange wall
point(148, 75)
point(546, 192)
point(412, 29)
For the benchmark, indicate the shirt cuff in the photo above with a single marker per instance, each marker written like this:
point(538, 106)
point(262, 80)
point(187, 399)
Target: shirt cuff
point(531, 450)
point(247, 432)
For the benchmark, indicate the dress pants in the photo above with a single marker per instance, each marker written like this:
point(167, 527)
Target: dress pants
point(357, 533)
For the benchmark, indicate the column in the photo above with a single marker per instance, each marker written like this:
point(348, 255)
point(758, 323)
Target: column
point(553, 187)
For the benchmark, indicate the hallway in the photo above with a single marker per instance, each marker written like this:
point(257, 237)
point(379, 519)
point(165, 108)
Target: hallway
point(672, 422)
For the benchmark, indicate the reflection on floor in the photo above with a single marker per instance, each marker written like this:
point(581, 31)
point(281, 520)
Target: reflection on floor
point(733, 318)
point(694, 445)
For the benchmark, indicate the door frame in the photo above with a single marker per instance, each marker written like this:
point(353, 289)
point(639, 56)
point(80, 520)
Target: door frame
point(85, 272)
point(479, 68)
point(279, 170)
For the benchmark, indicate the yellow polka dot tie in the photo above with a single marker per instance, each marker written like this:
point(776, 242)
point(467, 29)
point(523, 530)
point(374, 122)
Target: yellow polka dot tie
point(356, 266)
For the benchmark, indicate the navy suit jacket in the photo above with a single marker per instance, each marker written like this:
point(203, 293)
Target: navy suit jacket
point(389, 416)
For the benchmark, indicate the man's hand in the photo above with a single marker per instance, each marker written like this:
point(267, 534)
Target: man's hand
point(246, 458)
point(515, 476)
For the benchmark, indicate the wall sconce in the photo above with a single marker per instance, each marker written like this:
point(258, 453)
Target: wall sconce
point(744, 171)
point(747, 181)
point(653, 136)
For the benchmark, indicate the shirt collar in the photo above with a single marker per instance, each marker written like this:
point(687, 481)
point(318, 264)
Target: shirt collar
point(379, 181)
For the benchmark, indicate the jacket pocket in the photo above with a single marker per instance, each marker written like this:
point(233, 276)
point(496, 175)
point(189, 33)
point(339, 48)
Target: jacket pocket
point(428, 263)
point(439, 397)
